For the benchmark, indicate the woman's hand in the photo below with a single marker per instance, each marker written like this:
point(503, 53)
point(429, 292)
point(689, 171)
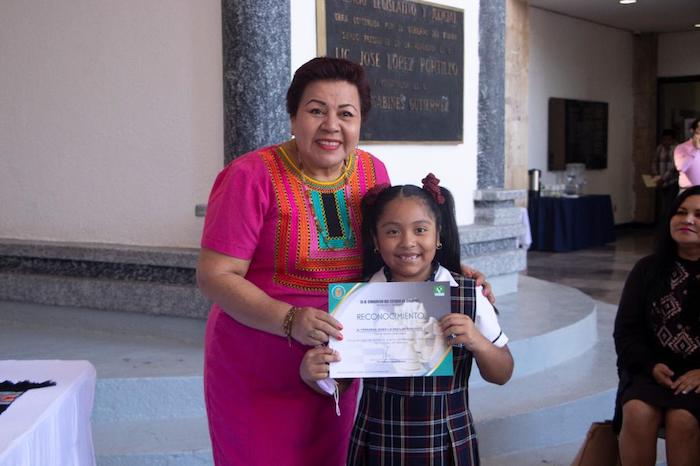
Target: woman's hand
point(686, 383)
point(315, 365)
point(480, 280)
point(313, 326)
point(459, 329)
point(662, 374)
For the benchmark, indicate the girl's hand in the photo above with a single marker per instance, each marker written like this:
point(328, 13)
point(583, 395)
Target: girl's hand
point(686, 383)
point(662, 374)
point(313, 326)
point(460, 329)
point(495, 363)
point(480, 280)
point(314, 365)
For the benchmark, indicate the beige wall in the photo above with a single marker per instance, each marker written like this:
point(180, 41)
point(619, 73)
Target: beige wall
point(110, 119)
point(516, 111)
point(679, 54)
point(575, 59)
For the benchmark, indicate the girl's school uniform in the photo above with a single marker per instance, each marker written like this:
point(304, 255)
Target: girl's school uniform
point(425, 420)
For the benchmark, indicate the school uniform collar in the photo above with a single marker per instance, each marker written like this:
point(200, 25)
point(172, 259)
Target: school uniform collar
point(440, 274)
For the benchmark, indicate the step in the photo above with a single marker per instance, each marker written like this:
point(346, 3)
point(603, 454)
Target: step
point(501, 267)
point(542, 316)
point(154, 280)
point(149, 387)
point(173, 442)
point(558, 455)
point(551, 407)
point(131, 296)
point(158, 357)
point(149, 404)
point(497, 215)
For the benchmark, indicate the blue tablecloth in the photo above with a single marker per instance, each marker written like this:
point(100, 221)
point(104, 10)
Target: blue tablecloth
point(565, 224)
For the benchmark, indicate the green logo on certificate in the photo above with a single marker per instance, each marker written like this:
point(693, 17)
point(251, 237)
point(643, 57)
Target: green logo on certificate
point(439, 290)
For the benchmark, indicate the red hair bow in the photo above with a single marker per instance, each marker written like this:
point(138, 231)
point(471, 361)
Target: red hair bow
point(373, 193)
point(432, 184)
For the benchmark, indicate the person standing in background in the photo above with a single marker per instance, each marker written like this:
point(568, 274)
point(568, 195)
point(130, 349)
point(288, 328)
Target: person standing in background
point(687, 158)
point(664, 167)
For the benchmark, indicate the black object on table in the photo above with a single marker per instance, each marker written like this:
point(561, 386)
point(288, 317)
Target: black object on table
point(564, 224)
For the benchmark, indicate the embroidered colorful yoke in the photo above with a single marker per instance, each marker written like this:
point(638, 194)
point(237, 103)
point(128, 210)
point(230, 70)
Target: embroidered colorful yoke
point(299, 235)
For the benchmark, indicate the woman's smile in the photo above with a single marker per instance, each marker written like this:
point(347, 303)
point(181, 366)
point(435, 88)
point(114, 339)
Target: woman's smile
point(327, 144)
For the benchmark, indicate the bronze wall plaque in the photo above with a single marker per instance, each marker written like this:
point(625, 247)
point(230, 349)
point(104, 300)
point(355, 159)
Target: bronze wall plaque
point(413, 53)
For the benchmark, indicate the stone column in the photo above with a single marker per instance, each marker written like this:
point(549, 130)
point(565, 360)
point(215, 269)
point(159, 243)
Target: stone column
point(490, 156)
point(491, 244)
point(644, 131)
point(256, 65)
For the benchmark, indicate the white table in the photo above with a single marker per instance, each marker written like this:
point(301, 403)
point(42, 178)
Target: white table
point(49, 426)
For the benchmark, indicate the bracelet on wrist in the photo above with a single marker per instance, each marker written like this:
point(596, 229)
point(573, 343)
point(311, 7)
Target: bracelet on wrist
point(288, 322)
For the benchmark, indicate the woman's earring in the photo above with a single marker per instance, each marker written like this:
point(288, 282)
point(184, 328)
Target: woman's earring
point(439, 245)
point(376, 251)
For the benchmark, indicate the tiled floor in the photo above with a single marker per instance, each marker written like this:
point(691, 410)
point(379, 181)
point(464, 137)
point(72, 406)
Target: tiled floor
point(599, 272)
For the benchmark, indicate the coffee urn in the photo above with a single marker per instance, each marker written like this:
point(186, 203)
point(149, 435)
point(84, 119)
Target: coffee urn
point(534, 175)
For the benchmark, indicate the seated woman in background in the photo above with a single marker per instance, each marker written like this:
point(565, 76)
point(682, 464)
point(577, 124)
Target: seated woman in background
point(657, 339)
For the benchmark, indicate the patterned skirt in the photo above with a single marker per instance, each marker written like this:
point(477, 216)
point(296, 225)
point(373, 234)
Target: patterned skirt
point(397, 430)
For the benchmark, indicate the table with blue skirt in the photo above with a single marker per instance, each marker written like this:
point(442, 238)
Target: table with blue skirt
point(564, 224)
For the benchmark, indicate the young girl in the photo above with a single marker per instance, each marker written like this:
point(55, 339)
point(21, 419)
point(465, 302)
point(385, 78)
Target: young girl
point(410, 234)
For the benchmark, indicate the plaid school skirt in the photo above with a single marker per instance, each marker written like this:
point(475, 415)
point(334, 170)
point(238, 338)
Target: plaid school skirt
point(400, 430)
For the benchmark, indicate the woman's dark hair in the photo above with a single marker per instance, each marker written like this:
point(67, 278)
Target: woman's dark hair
point(666, 246)
point(666, 249)
point(373, 206)
point(694, 124)
point(329, 69)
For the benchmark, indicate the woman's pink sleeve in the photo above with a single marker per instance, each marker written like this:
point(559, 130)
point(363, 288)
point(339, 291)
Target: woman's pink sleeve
point(236, 210)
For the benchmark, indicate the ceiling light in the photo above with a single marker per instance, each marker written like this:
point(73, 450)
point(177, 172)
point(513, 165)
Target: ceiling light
point(697, 25)
point(627, 2)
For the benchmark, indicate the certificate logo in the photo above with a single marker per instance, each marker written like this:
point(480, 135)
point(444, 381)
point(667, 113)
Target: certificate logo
point(337, 291)
point(439, 290)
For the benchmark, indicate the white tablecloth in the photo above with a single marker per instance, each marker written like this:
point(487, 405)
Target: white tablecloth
point(525, 239)
point(49, 426)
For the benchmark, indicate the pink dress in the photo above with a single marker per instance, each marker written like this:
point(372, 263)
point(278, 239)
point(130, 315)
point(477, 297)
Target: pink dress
point(687, 159)
point(260, 411)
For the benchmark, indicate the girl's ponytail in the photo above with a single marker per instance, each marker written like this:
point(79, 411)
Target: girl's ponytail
point(449, 254)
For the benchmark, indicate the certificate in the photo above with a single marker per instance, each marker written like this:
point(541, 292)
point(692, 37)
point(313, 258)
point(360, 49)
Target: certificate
point(390, 329)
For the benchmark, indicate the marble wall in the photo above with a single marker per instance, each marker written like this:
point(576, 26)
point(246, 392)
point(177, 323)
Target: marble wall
point(644, 129)
point(256, 58)
point(517, 60)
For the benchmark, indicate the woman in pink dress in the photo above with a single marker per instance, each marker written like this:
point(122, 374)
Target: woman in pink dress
point(282, 222)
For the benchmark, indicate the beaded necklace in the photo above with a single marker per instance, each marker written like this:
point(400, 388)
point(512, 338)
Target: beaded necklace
point(315, 205)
